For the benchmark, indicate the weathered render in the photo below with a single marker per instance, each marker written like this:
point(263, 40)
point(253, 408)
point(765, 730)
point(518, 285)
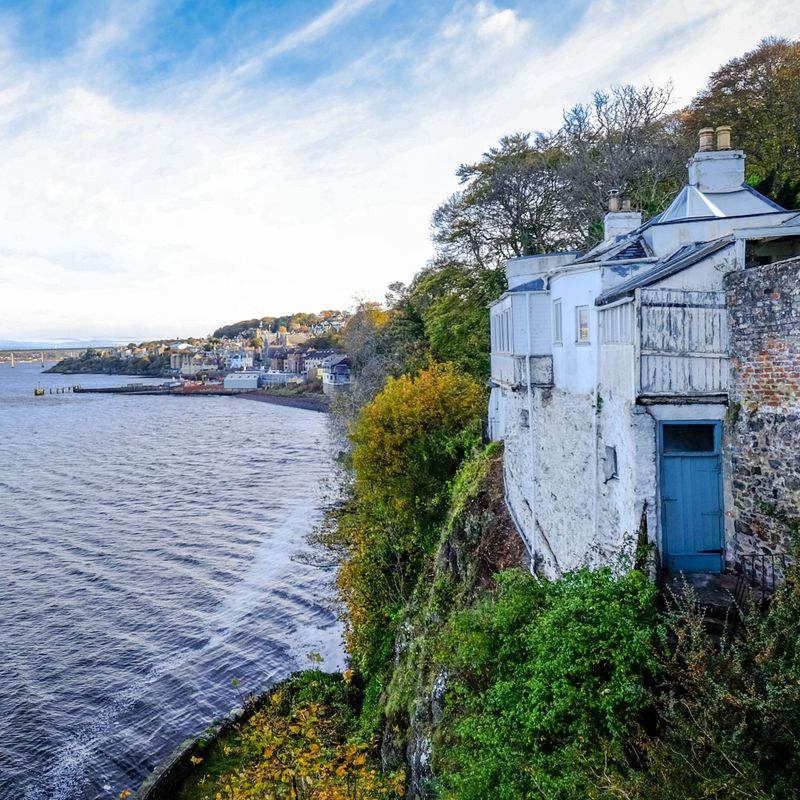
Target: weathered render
point(611, 379)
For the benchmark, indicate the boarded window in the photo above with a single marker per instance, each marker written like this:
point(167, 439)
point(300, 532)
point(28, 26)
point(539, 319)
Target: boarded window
point(617, 324)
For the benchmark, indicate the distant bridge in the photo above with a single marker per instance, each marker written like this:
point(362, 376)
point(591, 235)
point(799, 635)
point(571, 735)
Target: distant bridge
point(19, 355)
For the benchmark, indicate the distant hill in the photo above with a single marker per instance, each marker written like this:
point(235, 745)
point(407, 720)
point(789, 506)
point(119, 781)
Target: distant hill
point(248, 327)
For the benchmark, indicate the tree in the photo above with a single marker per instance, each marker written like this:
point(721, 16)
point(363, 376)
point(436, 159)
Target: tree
point(367, 339)
point(624, 139)
point(451, 302)
point(407, 445)
point(758, 95)
point(512, 204)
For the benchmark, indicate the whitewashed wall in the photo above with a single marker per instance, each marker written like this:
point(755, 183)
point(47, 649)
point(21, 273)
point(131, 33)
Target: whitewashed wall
point(574, 365)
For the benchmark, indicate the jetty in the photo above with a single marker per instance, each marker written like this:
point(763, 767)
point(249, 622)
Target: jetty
point(305, 402)
point(145, 389)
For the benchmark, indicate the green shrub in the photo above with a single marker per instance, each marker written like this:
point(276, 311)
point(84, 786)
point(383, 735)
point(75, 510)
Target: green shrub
point(546, 675)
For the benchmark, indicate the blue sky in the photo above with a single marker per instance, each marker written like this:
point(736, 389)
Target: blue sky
point(172, 166)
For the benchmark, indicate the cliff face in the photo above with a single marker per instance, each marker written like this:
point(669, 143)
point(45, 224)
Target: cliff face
point(478, 541)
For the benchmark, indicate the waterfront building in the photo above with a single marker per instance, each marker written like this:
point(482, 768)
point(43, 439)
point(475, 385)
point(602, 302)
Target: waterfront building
point(633, 385)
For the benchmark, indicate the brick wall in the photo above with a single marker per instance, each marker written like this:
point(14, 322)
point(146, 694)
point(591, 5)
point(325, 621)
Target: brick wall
point(763, 431)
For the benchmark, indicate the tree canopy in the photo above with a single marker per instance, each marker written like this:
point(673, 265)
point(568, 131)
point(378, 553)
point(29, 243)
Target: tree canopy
point(758, 95)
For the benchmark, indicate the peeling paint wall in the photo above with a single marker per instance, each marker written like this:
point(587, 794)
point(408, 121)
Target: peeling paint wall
point(763, 434)
point(578, 475)
point(630, 433)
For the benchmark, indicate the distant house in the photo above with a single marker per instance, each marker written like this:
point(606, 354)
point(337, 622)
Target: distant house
point(295, 361)
point(275, 358)
point(621, 379)
point(239, 360)
point(242, 380)
point(274, 378)
point(335, 373)
point(313, 361)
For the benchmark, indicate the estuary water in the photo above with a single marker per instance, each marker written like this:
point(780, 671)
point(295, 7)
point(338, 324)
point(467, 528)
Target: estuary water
point(148, 557)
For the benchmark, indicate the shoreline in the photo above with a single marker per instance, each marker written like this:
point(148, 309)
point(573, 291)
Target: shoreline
point(306, 402)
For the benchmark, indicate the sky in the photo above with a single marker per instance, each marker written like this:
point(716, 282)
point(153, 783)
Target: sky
point(168, 167)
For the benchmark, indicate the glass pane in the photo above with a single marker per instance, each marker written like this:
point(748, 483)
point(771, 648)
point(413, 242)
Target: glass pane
point(582, 313)
point(689, 438)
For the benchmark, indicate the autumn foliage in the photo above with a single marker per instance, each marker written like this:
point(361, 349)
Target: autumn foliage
point(407, 445)
point(297, 748)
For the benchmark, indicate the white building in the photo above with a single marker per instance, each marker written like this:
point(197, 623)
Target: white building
point(335, 373)
point(239, 360)
point(242, 380)
point(610, 375)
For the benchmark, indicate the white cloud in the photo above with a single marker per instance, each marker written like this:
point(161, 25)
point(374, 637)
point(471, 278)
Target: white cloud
point(317, 29)
point(229, 202)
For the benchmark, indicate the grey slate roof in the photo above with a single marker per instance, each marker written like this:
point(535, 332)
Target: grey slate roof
point(536, 285)
point(628, 247)
point(681, 259)
point(632, 250)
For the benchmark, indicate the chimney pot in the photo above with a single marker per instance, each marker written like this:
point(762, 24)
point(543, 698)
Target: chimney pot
point(613, 200)
point(626, 201)
point(706, 140)
point(723, 137)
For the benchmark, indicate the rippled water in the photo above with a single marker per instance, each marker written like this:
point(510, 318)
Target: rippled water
point(146, 560)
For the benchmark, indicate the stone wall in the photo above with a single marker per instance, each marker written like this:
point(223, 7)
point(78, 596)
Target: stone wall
point(763, 434)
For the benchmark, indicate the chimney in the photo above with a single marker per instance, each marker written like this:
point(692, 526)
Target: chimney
point(706, 140)
point(716, 171)
point(620, 219)
point(723, 137)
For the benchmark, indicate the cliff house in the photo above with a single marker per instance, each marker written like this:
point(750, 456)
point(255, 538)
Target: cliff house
point(650, 387)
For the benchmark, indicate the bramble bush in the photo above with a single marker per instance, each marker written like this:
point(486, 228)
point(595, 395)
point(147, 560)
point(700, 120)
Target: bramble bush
point(728, 711)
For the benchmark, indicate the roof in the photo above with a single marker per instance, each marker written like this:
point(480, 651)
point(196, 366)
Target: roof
point(625, 247)
point(681, 259)
point(536, 285)
point(691, 203)
point(633, 250)
point(336, 360)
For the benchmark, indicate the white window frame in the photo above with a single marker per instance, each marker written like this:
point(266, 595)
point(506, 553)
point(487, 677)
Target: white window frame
point(579, 338)
point(558, 323)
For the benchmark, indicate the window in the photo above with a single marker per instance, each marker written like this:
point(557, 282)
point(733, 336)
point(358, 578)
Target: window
point(582, 324)
point(557, 329)
point(689, 438)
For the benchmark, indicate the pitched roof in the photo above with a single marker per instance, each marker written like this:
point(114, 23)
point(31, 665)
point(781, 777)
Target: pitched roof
point(336, 360)
point(681, 259)
point(536, 285)
point(691, 203)
point(625, 247)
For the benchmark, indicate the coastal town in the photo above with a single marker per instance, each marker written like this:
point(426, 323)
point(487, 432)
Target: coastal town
point(304, 355)
point(527, 526)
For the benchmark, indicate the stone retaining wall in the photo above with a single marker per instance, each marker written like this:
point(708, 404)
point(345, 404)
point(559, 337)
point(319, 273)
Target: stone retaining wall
point(763, 434)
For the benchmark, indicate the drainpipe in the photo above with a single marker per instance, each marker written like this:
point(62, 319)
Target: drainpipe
point(596, 493)
point(532, 549)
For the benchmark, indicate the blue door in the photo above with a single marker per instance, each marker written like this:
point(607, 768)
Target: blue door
point(691, 496)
